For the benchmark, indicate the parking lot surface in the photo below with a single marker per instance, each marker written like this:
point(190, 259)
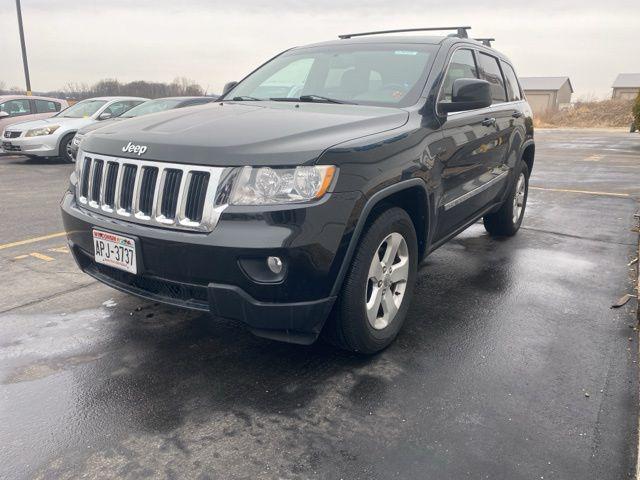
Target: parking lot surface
point(512, 363)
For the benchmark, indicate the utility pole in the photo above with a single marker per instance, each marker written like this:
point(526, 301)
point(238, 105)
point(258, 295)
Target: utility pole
point(24, 48)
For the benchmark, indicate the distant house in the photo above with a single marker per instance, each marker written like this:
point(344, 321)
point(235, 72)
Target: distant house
point(626, 86)
point(547, 93)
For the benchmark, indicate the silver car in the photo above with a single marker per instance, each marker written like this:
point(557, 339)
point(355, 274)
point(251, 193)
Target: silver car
point(52, 137)
point(23, 108)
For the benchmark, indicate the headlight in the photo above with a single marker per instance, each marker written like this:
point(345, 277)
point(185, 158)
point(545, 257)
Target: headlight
point(37, 132)
point(79, 163)
point(272, 186)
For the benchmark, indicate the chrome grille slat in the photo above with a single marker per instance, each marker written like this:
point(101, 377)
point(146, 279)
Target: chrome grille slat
point(109, 190)
point(135, 200)
point(144, 196)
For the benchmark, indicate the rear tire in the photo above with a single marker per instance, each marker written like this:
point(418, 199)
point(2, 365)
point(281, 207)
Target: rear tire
point(507, 221)
point(378, 288)
point(65, 148)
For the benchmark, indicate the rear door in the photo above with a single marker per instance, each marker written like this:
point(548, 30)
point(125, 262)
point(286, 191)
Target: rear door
point(514, 115)
point(470, 150)
point(501, 110)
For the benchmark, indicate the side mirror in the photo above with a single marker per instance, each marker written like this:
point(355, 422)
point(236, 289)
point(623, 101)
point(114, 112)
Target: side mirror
point(105, 116)
point(228, 87)
point(4, 114)
point(467, 94)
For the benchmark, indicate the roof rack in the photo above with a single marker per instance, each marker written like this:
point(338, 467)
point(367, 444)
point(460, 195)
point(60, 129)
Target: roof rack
point(485, 41)
point(461, 31)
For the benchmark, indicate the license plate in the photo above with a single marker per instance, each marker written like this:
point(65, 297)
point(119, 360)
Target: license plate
point(115, 251)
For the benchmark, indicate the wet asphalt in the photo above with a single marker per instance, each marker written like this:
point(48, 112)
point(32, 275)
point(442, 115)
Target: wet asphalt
point(511, 365)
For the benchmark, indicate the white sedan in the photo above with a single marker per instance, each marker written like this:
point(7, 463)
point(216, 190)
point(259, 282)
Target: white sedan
point(52, 137)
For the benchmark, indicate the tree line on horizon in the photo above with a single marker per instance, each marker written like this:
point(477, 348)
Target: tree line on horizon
point(179, 87)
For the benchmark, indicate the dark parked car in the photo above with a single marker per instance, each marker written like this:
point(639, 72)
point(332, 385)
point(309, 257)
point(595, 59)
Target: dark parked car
point(150, 106)
point(304, 199)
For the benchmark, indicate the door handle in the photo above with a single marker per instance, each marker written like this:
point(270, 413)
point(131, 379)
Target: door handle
point(487, 122)
point(516, 114)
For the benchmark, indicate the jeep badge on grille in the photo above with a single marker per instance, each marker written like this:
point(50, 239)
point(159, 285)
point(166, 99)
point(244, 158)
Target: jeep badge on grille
point(132, 148)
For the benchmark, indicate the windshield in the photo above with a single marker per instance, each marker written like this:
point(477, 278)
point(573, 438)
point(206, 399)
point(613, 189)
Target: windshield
point(82, 109)
point(152, 106)
point(372, 74)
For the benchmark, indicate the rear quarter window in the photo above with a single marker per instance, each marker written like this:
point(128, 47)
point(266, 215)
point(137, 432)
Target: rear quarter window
point(513, 87)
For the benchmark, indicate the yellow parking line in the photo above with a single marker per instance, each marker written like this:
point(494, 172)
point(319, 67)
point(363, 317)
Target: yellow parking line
point(59, 249)
point(20, 257)
point(32, 240)
point(586, 192)
point(40, 256)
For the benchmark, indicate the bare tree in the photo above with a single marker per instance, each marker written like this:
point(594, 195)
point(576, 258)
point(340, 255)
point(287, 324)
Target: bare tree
point(181, 86)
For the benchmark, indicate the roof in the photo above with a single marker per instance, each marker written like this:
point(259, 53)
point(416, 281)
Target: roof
point(627, 80)
point(406, 40)
point(115, 97)
point(424, 39)
point(33, 97)
point(544, 83)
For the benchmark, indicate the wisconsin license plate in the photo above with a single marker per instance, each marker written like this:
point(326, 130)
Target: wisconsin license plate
point(115, 251)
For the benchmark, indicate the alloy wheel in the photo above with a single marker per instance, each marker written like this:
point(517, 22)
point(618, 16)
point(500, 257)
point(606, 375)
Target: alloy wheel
point(518, 198)
point(387, 280)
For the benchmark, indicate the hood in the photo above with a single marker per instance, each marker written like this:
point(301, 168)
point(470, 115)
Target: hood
point(245, 133)
point(65, 123)
point(94, 126)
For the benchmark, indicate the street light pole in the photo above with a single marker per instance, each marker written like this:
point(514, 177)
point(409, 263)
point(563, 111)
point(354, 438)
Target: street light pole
point(24, 48)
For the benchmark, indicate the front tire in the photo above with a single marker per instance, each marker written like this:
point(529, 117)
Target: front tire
point(379, 286)
point(507, 221)
point(65, 148)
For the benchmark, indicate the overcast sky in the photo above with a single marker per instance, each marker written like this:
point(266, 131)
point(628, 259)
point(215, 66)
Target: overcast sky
point(213, 42)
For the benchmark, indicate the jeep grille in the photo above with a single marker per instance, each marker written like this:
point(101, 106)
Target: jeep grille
point(160, 194)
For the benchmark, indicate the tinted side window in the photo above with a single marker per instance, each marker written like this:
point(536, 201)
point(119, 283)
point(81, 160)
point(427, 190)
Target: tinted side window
point(118, 108)
point(491, 73)
point(15, 108)
point(461, 65)
point(46, 106)
point(513, 89)
point(197, 101)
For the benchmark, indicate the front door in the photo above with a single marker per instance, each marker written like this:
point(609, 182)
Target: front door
point(471, 149)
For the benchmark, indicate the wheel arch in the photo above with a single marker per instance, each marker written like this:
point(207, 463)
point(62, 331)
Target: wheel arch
point(528, 154)
point(402, 194)
point(65, 135)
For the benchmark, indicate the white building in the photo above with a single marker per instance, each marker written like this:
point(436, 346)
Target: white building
point(626, 86)
point(547, 93)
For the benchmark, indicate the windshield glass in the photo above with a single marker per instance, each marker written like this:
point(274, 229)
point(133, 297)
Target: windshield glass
point(152, 106)
point(372, 74)
point(82, 109)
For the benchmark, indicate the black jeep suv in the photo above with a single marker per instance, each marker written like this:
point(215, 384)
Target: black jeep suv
point(304, 199)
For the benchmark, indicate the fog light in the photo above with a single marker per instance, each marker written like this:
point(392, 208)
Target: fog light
point(275, 264)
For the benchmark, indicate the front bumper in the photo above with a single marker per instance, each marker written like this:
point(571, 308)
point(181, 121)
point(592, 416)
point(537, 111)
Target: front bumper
point(43, 146)
point(210, 271)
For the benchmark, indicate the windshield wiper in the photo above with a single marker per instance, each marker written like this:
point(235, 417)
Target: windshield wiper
point(311, 98)
point(245, 98)
point(320, 98)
